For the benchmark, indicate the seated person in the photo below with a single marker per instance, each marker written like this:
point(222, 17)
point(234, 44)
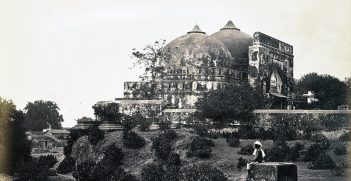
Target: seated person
point(259, 153)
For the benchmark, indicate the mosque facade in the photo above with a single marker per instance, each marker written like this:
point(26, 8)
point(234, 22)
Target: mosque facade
point(197, 63)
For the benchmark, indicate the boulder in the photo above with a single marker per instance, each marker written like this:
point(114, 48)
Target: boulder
point(274, 171)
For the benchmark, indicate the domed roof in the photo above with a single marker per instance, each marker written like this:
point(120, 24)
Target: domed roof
point(236, 41)
point(197, 48)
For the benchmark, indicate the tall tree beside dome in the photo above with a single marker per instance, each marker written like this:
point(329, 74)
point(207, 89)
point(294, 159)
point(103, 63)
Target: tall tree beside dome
point(149, 58)
point(233, 102)
point(42, 115)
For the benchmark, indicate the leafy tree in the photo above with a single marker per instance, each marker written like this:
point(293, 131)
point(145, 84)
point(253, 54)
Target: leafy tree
point(95, 134)
point(107, 112)
point(149, 58)
point(42, 114)
point(329, 90)
point(14, 147)
point(85, 119)
point(234, 101)
point(348, 85)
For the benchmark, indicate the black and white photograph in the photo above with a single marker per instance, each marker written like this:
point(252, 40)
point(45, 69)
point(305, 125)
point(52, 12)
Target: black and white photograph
point(175, 90)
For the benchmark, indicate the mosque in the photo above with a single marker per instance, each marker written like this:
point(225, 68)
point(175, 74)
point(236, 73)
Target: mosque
point(197, 63)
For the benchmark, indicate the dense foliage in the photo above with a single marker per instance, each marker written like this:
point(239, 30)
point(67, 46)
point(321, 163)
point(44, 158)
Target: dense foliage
point(15, 149)
point(132, 140)
point(162, 147)
point(233, 142)
point(279, 152)
point(66, 166)
point(201, 147)
point(234, 101)
point(322, 161)
point(107, 112)
point(340, 150)
point(37, 168)
point(73, 137)
point(313, 151)
point(42, 114)
point(345, 137)
point(95, 134)
point(329, 90)
point(109, 168)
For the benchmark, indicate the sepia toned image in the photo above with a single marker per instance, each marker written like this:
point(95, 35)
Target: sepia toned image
point(175, 90)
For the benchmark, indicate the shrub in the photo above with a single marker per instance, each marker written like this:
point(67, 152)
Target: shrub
point(37, 168)
point(114, 154)
point(162, 147)
point(152, 172)
point(66, 166)
point(95, 134)
point(169, 134)
point(129, 122)
point(247, 132)
point(279, 152)
point(201, 171)
point(295, 151)
point(107, 112)
point(246, 150)
point(133, 140)
point(109, 168)
point(200, 129)
point(313, 151)
point(345, 137)
point(47, 161)
point(144, 124)
point(201, 147)
point(73, 137)
point(264, 134)
point(323, 161)
point(241, 163)
point(164, 125)
point(121, 175)
point(233, 142)
point(321, 140)
point(83, 170)
point(340, 150)
point(173, 159)
point(338, 170)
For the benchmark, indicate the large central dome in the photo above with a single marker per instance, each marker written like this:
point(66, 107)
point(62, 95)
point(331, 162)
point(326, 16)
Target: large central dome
point(197, 49)
point(236, 41)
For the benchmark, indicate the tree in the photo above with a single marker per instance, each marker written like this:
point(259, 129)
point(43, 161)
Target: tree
point(234, 101)
point(348, 85)
point(107, 112)
point(150, 58)
point(329, 90)
point(41, 115)
point(14, 147)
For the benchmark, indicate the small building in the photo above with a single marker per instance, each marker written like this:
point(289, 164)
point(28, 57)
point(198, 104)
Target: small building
point(61, 134)
point(39, 139)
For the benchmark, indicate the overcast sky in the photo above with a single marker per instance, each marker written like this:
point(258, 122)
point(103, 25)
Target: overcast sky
point(77, 52)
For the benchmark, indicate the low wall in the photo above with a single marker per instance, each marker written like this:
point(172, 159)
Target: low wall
point(330, 120)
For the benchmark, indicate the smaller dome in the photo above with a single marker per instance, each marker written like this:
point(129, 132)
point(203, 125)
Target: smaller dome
point(197, 48)
point(236, 41)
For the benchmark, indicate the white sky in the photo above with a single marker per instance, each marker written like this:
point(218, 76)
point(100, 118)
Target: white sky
point(76, 52)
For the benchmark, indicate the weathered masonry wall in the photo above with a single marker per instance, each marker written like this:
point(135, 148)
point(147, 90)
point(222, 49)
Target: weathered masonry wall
point(324, 119)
